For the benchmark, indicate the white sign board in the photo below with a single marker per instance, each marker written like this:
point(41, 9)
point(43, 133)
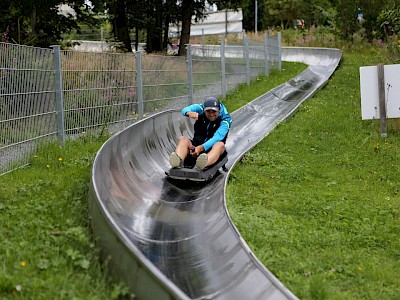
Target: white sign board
point(370, 92)
point(219, 22)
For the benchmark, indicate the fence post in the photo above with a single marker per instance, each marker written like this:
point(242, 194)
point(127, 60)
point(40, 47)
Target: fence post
point(382, 102)
point(279, 51)
point(203, 43)
point(266, 54)
point(59, 93)
point(189, 73)
point(246, 58)
point(139, 83)
point(223, 78)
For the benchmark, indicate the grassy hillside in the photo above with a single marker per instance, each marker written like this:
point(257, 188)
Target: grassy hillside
point(324, 211)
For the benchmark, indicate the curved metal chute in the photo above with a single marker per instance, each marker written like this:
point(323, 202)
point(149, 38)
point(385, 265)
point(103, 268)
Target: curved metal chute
point(171, 241)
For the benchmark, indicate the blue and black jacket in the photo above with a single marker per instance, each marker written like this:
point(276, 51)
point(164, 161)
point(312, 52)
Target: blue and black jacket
point(207, 133)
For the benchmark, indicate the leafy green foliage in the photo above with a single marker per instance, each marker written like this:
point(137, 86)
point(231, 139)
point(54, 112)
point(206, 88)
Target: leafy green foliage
point(40, 23)
point(339, 17)
point(389, 21)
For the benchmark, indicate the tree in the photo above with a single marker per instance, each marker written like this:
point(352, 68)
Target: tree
point(248, 10)
point(158, 14)
point(322, 13)
point(149, 19)
point(285, 11)
point(154, 16)
point(187, 11)
point(40, 23)
point(118, 13)
point(389, 22)
point(372, 10)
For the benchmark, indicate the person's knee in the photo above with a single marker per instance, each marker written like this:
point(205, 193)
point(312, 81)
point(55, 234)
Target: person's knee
point(220, 146)
point(183, 140)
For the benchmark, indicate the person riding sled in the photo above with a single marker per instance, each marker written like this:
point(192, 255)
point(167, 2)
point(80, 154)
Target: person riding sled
point(210, 133)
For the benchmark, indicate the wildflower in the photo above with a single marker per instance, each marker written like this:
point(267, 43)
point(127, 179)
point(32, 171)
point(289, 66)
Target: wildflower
point(23, 264)
point(60, 159)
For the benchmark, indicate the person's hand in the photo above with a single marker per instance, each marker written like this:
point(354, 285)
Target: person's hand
point(193, 115)
point(192, 150)
point(195, 151)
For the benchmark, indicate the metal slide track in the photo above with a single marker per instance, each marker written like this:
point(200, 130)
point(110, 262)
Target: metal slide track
point(176, 241)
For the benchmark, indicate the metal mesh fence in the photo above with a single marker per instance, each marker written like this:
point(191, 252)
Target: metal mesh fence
point(206, 71)
point(99, 89)
point(27, 102)
point(165, 83)
point(48, 93)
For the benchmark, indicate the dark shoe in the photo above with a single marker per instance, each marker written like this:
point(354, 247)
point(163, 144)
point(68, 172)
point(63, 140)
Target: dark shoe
point(201, 162)
point(175, 161)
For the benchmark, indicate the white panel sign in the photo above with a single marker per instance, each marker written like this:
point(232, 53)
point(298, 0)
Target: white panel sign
point(370, 92)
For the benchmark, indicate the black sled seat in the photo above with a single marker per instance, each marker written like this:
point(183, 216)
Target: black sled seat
point(187, 173)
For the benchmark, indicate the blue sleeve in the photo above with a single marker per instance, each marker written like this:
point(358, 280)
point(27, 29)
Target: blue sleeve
point(221, 131)
point(193, 108)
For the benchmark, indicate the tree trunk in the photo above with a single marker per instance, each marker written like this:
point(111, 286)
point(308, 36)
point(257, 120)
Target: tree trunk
point(161, 13)
point(155, 14)
point(186, 23)
point(150, 27)
point(33, 23)
point(166, 37)
point(121, 23)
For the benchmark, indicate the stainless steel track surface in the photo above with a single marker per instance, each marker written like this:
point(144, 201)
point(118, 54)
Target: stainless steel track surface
point(171, 240)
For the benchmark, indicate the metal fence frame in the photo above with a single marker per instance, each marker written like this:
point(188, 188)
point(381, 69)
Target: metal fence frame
point(50, 94)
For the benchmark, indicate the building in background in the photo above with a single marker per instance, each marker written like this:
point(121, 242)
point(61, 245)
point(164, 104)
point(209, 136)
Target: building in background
point(214, 22)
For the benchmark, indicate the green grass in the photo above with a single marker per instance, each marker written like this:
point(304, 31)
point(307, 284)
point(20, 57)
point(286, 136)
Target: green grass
point(324, 212)
point(323, 216)
point(261, 84)
point(46, 248)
